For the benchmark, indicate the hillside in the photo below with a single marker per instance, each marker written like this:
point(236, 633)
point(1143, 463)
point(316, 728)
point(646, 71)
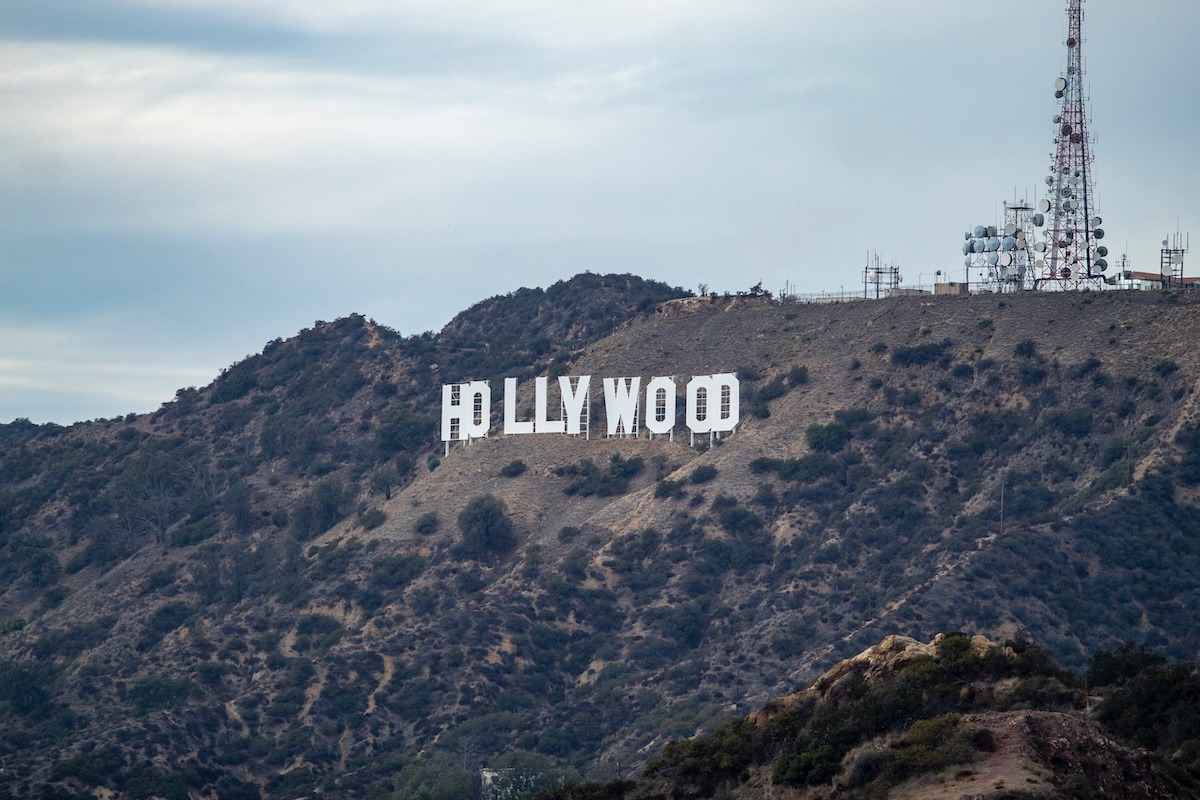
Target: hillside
point(960, 717)
point(270, 587)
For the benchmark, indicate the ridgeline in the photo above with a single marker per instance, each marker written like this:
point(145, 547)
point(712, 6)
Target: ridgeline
point(277, 585)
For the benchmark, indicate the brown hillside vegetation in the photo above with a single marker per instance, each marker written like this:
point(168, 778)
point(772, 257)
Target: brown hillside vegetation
point(279, 583)
point(948, 720)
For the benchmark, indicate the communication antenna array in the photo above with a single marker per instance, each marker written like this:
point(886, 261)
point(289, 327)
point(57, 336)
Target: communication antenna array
point(1005, 254)
point(886, 278)
point(1074, 258)
point(1174, 248)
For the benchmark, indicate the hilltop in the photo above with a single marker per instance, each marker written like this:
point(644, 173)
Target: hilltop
point(959, 717)
point(279, 583)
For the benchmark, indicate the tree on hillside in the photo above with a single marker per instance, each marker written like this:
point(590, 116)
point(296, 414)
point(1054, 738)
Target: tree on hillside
point(486, 528)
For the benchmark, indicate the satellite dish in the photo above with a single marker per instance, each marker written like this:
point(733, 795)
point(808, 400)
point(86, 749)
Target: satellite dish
point(1039, 264)
point(1177, 258)
point(1065, 129)
point(991, 230)
point(1039, 247)
point(1039, 219)
point(1008, 243)
point(1049, 180)
point(1165, 242)
point(899, 278)
point(966, 248)
point(1071, 41)
point(978, 245)
point(967, 261)
point(1099, 233)
point(1044, 207)
point(993, 244)
point(1006, 259)
point(1101, 264)
point(1060, 84)
point(1068, 205)
point(1058, 95)
point(981, 231)
point(1065, 272)
point(1097, 222)
point(993, 259)
point(1102, 251)
point(1020, 234)
point(1010, 229)
point(1057, 119)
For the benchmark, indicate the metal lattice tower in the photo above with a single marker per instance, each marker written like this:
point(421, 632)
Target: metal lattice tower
point(1171, 260)
point(1073, 258)
point(1003, 254)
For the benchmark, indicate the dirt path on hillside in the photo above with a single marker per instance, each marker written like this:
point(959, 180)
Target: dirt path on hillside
point(389, 669)
point(311, 693)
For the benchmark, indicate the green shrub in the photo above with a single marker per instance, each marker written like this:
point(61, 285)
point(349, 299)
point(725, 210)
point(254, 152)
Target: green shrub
point(590, 480)
point(1165, 368)
point(706, 760)
point(162, 621)
point(668, 488)
point(159, 691)
point(1075, 423)
point(829, 438)
point(427, 523)
point(24, 689)
point(486, 529)
point(194, 532)
point(54, 597)
point(809, 468)
point(320, 509)
point(703, 474)
point(512, 469)
point(921, 354)
point(92, 769)
point(372, 518)
point(770, 390)
point(929, 745)
point(392, 573)
point(403, 430)
point(1031, 374)
point(1119, 666)
point(1026, 348)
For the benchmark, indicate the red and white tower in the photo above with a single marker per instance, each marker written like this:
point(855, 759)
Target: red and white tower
point(1071, 255)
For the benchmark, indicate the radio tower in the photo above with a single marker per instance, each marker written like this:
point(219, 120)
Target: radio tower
point(1073, 257)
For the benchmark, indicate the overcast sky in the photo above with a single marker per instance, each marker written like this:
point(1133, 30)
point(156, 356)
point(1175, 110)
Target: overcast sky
point(183, 180)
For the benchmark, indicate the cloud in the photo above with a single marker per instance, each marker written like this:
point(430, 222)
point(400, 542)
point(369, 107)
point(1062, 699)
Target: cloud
point(205, 176)
point(46, 370)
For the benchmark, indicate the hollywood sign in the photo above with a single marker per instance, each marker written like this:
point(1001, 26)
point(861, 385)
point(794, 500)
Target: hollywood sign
point(712, 407)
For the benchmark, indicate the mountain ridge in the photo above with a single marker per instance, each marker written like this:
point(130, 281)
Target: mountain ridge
point(240, 570)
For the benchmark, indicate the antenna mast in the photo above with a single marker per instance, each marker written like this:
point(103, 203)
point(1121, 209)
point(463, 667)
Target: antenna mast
point(1074, 258)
